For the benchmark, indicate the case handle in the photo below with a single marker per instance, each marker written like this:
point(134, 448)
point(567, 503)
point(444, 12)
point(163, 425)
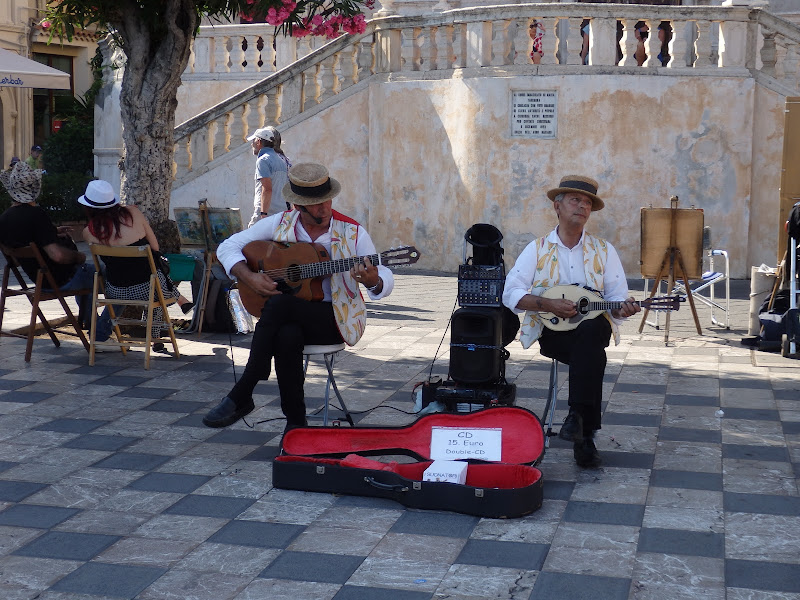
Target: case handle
point(386, 486)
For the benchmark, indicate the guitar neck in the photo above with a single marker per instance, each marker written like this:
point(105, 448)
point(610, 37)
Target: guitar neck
point(605, 305)
point(329, 267)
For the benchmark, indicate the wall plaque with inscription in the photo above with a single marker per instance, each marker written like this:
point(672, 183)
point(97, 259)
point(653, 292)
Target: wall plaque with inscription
point(534, 114)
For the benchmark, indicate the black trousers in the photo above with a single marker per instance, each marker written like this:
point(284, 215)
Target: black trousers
point(584, 350)
point(285, 326)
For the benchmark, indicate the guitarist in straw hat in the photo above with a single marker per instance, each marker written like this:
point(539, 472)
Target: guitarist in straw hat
point(287, 323)
point(569, 255)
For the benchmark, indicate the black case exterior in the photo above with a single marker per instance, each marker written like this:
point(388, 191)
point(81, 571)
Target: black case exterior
point(506, 490)
point(431, 495)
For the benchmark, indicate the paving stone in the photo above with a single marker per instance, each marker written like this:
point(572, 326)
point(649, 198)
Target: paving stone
point(511, 555)
point(110, 581)
point(66, 545)
point(671, 541)
point(580, 587)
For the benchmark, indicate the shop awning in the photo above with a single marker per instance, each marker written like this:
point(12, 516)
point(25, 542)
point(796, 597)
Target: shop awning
point(21, 72)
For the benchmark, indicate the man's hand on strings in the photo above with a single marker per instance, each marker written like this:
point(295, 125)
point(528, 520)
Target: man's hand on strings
point(261, 283)
point(366, 273)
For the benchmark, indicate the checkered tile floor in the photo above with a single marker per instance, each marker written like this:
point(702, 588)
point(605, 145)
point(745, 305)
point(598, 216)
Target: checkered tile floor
point(111, 487)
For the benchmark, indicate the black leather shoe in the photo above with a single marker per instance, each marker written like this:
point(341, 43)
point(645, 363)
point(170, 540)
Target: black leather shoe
point(586, 454)
point(227, 412)
point(290, 426)
point(572, 429)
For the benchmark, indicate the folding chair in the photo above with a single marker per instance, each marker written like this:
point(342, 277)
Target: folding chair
point(329, 353)
point(44, 289)
point(155, 299)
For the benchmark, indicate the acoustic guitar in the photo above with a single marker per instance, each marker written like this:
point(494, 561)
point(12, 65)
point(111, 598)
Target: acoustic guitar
point(299, 268)
point(590, 304)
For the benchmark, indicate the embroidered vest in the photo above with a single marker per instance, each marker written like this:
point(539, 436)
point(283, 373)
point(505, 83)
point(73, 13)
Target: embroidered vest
point(348, 305)
point(595, 254)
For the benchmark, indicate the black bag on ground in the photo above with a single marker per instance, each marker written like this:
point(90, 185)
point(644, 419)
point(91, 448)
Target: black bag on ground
point(772, 320)
point(217, 317)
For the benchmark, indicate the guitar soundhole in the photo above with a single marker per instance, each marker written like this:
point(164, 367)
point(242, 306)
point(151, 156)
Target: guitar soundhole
point(294, 273)
point(582, 306)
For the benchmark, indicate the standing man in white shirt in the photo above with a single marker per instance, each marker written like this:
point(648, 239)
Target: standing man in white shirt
point(570, 255)
point(272, 167)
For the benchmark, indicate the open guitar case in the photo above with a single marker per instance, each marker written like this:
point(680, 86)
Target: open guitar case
point(338, 460)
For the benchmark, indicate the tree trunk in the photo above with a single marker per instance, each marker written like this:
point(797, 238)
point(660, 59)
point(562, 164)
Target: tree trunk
point(148, 98)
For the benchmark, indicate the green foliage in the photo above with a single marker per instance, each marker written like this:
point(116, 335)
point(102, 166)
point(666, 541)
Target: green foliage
point(70, 150)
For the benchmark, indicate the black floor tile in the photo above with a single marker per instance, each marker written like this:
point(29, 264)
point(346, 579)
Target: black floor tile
point(108, 581)
point(680, 400)
point(14, 384)
point(745, 452)
point(786, 394)
point(790, 427)
point(145, 392)
point(120, 381)
point(5, 465)
point(223, 507)
point(682, 434)
point(313, 566)
point(93, 441)
point(132, 461)
point(690, 543)
point(34, 515)
point(175, 406)
point(67, 545)
point(195, 420)
point(604, 512)
point(70, 425)
point(568, 586)
point(758, 575)
point(15, 491)
point(744, 383)
point(557, 490)
point(168, 482)
point(691, 480)
point(95, 370)
point(761, 504)
point(259, 535)
point(25, 397)
point(265, 453)
point(435, 523)
point(611, 418)
point(509, 555)
point(628, 460)
point(641, 388)
point(239, 436)
point(357, 592)
point(754, 414)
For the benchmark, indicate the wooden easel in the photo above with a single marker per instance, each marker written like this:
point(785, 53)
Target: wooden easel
point(209, 258)
point(673, 260)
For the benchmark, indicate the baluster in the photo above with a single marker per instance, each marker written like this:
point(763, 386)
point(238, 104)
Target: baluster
point(221, 55)
point(575, 42)
point(629, 43)
point(238, 133)
point(199, 148)
point(255, 116)
point(499, 43)
point(239, 55)
point(790, 64)
point(702, 45)
point(678, 44)
point(780, 57)
point(192, 49)
point(272, 110)
point(427, 53)
point(549, 41)
point(522, 41)
point(326, 78)
point(182, 158)
point(652, 45)
point(768, 54)
point(310, 88)
point(267, 54)
point(365, 60)
point(303, 47)
point(459, 60)
point(444, 47)
point(408, 50)
point(201, 61)
point(251, 56)
point(221, 133)
point(347, 66)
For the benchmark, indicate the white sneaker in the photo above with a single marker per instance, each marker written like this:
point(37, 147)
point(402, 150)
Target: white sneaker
point(98, 348)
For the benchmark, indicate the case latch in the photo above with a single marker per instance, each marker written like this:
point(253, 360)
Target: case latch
point(479, 493)
point(417, 485)
point(320, 470)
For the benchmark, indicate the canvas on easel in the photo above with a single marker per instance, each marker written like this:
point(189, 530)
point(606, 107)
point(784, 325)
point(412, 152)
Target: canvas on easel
point(672, 249)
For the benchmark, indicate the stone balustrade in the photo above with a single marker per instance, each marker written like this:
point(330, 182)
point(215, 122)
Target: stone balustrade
point(699, 40)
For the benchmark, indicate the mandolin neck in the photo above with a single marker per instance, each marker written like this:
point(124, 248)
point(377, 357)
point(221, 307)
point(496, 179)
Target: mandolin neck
point(329, 267)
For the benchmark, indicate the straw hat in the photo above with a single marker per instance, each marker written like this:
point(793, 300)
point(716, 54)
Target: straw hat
point(309, 183)
point(22, 182)
point(580, 184)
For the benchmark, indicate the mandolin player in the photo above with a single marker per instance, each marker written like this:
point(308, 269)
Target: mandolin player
point(288, 322)
point(570, 255)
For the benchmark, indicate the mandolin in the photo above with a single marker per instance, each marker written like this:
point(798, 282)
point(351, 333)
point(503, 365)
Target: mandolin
point(590, 304)
point(299, 268)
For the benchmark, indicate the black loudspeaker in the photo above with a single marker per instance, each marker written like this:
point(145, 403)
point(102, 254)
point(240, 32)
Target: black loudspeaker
point(476, 345)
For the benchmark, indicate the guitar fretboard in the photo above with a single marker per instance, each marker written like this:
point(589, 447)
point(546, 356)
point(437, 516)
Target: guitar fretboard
point(320, 269)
